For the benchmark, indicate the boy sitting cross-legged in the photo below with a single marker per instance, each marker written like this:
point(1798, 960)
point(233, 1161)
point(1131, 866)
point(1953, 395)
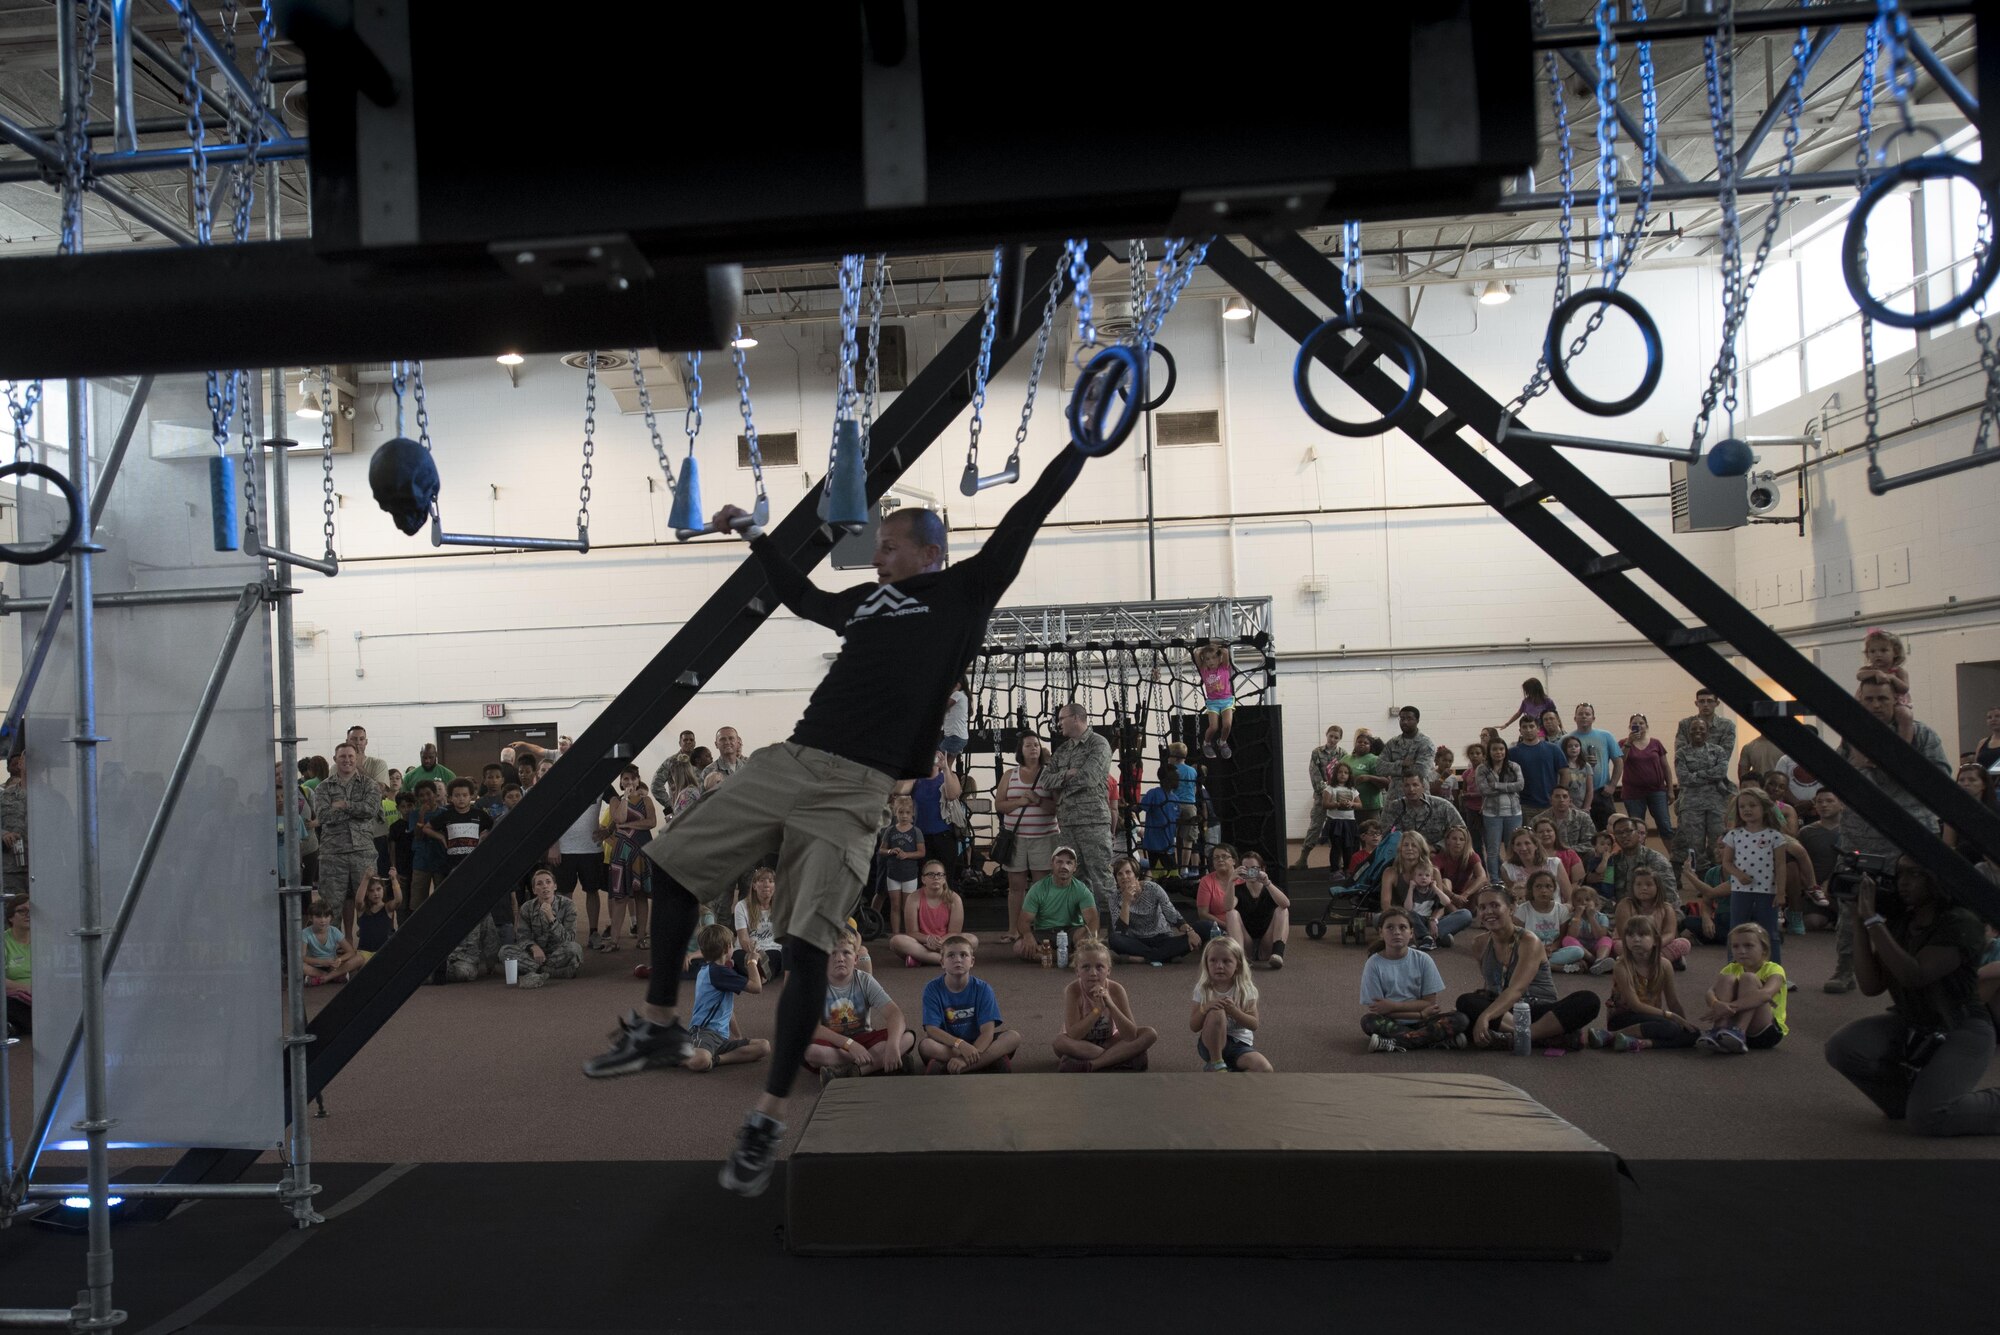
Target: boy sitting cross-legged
point(862, 1031)
point(962, 1026)
point(712, 1027)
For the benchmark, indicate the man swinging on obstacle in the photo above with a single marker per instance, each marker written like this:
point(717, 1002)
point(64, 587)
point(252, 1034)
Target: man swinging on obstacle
point(819, 799)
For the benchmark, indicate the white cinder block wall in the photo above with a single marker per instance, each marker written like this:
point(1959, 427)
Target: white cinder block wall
point(1436, 601)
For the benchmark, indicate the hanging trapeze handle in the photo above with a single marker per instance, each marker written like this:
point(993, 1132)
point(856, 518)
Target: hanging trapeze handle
point(1552, 350)
point(1856, 241)
point(970, 483)
point(1111, 371)
point(65, 539)
point(759, 517)
point(1399, 340)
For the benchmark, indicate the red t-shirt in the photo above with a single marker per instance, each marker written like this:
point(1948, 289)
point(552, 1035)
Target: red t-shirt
point(1214, 898)
point(1455, 872)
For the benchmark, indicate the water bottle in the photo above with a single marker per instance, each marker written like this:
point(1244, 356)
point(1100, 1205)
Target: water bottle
point(1524, 1020)
point(1062, 950)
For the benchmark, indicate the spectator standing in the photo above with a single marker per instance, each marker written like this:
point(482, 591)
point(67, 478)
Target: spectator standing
point(1500, 785)
point(429, 769)
point(1988, 754)
point(1077, 774)
point(14, 825)
point(1721, 731)
point(19, 969)
point(1030, 812)
point(580, 864)
point(1878, 697)
point(1702, 766)
point(1409, 752)
point(728, 753)
point(930, 794)
point(348, 807)
point(1648, 781)
point(662, 775)
point(634, 817)
point(1535, 702)
point(1366, 765)
point(1540, 761)
point(1319, 773)
point(1606, 759)
point(372, 766)
point(428, 859)
point(956, 730)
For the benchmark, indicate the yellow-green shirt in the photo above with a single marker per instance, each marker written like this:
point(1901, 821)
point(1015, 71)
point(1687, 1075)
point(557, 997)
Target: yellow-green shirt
point(1765, 973)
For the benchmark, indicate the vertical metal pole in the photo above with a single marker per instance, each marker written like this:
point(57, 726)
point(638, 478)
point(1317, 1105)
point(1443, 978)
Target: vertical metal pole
point(299, 1188)
point(90, 916)
point(1152, 557)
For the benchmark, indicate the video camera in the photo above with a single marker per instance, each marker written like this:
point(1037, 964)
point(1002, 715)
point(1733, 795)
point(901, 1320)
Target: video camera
point(1853, 865)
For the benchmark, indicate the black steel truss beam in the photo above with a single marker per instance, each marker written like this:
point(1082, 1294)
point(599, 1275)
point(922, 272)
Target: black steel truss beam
point(644, 709)
point(1637, 548)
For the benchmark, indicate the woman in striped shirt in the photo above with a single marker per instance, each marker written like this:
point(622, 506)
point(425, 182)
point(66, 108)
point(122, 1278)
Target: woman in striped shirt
point(1031, 814)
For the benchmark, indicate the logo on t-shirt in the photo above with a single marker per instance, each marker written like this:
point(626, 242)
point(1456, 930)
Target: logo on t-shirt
point(888, 601)
point(843, 1018)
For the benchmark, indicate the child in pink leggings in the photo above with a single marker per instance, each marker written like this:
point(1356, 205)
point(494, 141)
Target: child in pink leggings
point(1645, 899)
point(1586, 939)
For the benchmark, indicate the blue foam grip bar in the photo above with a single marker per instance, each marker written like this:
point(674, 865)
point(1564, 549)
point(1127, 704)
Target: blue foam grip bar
point(222, 495)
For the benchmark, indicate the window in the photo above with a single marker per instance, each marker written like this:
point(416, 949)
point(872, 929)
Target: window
point(778, 449)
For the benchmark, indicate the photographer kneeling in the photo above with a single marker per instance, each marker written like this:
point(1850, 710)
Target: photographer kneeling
point(1924, 1058)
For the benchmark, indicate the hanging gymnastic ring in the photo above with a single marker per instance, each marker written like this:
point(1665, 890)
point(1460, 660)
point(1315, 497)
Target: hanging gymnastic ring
point(1552, 350)
point(1400, 340)
point(1173, 378)
point(72, 525)
point(1915, 169)
point(1087, 429)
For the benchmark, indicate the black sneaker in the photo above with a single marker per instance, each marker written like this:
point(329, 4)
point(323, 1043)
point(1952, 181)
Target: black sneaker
point(641, 1047)
point(747, 1170)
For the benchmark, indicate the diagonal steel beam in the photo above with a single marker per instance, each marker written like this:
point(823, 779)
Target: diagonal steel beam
point(905, 430)
point(1755, 139)
point(1641, 549)
point(1668, 169)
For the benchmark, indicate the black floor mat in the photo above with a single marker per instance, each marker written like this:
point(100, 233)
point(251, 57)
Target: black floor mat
point(611, 1247)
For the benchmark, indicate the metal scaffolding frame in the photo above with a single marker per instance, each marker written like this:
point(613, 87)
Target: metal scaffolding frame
point(1179, 622)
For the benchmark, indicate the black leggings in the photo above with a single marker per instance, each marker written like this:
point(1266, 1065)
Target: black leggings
point(1165, 948)
point(675, 913)
point(1660, 1033)
point(1574, 1011)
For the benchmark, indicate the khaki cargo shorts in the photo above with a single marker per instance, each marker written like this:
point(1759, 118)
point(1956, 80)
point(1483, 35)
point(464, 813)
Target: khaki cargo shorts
point(820, 813)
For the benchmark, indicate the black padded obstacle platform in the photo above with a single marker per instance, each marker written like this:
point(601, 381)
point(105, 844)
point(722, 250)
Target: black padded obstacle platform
point(1350, 1165)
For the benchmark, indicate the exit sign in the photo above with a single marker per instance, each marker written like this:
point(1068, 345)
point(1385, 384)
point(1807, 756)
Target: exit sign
point(495, 710)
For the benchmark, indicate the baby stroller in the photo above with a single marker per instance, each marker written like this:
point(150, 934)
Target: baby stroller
point(1354, 905)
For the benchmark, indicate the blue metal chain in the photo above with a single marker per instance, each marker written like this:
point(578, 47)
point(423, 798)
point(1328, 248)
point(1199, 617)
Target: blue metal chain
point(1350, 268)
point(24, 400)
point(1538, 379)
point(989, 322)
point(743, 401)
point(589, 443)
point(1077, 252)
point(850, 317)
point(1864, 163)
point(691, 419)
point(1049, 309)
point(1607, 135)
point(873, 383)
point(652, 418)
point(423, 408)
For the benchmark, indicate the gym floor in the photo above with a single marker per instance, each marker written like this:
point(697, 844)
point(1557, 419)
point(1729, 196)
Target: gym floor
point(481, 1072)
point(472, 1139)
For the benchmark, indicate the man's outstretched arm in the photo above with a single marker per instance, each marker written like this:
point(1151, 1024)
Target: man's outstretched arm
point(999, 561)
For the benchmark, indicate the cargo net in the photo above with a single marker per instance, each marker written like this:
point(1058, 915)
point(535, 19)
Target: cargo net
point(1141, 697)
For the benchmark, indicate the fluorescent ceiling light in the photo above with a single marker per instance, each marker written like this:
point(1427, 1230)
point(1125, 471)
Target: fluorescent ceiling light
point(1236, 309)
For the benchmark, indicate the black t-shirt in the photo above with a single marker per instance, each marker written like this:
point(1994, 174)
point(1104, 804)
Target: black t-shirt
point(1940, 1005)
point(462, 830)
point(1822, 845)
point(907, 642)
